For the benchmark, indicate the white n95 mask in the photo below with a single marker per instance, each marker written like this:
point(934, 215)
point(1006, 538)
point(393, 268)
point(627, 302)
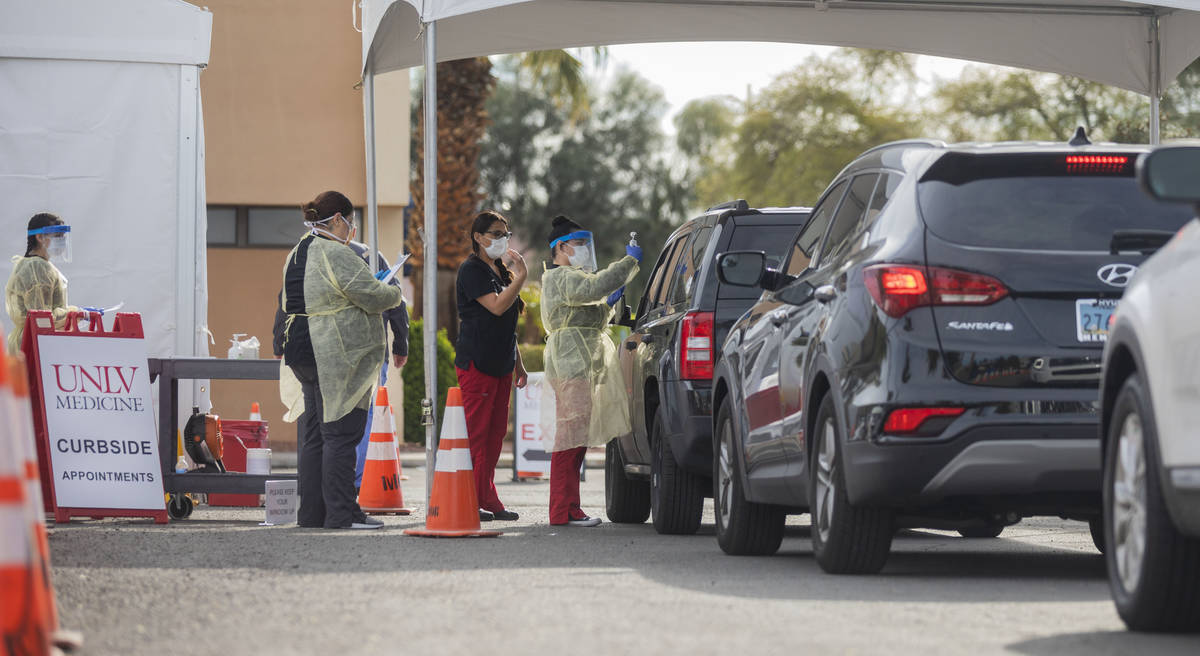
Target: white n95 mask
point(499, 247)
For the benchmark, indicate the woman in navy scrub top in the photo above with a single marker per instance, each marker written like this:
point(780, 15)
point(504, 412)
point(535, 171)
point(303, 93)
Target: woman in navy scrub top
point(486, 355)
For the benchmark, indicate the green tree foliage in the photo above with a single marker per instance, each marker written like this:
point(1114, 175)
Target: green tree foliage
point(987, 104)
point(413, 375)
point(611, 170)
point(794, 137)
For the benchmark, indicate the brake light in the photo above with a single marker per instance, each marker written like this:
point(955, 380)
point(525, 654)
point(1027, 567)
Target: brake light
point(1096, 163)
point(909, 420)
point(696, 346)
point(897, 289)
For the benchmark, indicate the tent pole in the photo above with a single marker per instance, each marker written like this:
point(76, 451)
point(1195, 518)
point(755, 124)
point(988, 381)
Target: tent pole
point(372, 218)
point(1155, 79)
point(429, 298)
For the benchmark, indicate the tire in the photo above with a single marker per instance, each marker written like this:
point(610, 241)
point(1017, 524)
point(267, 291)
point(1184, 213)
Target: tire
point(1096, 528)
point(676, 496)
point(626, 500)
point(846, 539)
point(744, 528)
point(982, 532)
point(1153, 570)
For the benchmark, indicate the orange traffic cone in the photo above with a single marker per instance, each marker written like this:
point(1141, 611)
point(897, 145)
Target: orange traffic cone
point(24, 626)
point(453, 506)
point(255, 413)
point(380, 491)
point(381, 400)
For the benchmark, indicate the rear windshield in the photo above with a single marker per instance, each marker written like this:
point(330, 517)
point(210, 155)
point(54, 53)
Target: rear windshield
point(773, 239)
point(1040, 202)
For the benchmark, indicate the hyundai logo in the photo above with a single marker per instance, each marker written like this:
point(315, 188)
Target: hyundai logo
point(1117, 275)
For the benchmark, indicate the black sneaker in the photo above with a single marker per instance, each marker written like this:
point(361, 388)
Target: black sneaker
point(506, 515)
point(485, 516)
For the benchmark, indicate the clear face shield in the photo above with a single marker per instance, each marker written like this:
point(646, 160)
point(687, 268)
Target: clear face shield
point(59, 247)
point(583, 249)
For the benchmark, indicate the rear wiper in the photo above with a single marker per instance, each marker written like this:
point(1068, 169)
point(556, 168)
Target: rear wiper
point(1147, 242)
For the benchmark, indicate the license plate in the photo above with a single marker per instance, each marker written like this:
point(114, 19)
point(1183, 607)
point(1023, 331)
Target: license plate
point(1091, 318)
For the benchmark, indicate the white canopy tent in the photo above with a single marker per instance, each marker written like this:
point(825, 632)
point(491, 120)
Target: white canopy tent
point(101, 124)
point(1138, 46)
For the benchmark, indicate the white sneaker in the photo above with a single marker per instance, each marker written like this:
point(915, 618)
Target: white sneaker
point(367, 523)
point(586, 521)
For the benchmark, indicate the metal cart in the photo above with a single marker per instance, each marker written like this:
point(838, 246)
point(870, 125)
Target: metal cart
point(169, 371)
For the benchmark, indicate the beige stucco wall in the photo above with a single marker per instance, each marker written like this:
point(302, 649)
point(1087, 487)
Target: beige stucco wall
point(284, 122)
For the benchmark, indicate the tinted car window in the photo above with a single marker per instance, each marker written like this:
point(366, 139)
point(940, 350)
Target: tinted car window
point(806, 242)
point(670, 270)
point(773, 240)
point(849, 216)
point(1038, 202)
point(688, 265)
point(656, 277)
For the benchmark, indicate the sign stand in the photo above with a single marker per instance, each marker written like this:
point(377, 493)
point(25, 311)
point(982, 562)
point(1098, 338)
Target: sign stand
point(97, 444)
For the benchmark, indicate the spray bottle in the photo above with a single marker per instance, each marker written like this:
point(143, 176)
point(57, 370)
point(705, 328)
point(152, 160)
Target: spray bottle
point(633, 239)
point(235, 349)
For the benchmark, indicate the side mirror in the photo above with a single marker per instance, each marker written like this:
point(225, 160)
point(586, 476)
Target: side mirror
point(626, 318)
point(741, 268)
point(796, 294)
point(1171, 174)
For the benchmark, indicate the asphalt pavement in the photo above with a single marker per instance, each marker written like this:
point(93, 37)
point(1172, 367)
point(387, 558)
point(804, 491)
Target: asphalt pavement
point(218, 583)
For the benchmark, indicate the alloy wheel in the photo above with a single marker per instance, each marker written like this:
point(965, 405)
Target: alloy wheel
point(1129, 503)
point(724, 475)
point(826, 453)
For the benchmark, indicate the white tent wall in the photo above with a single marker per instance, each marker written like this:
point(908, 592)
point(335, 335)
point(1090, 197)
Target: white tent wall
point(101, 125)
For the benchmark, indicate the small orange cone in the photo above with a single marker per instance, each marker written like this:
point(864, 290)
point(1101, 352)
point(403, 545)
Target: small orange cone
point(255, 413)
point(453, 506)
point(380, 491)
point(24, 624)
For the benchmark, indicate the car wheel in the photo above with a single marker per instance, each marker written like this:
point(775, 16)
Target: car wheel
point(984, 531)
point(1153, 570)
point(744, 528)
point(676, 495)
point(846, 538)
point(1096, 528)
point(626, 500)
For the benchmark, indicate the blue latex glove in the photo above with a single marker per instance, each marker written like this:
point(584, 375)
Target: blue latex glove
point(93, 309)
point(381, 274)
point(616, 296)
point(635, 252)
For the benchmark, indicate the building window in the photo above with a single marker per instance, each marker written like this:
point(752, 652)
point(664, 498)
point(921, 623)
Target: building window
point(245, 226)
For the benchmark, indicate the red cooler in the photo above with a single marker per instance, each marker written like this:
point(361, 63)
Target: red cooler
point(239, 435)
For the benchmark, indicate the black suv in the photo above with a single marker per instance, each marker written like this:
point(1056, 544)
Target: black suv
point(665, 464)
point(929, 354)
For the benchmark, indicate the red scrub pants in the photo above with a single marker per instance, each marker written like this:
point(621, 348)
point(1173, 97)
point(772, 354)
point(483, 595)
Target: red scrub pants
point(574, 400)
point(485, 401)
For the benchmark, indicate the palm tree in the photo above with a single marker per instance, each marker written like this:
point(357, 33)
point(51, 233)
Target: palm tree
point(463, 88)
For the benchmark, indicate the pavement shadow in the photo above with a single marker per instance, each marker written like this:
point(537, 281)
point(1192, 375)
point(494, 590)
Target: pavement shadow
point(1104, 643)
point(985, 571)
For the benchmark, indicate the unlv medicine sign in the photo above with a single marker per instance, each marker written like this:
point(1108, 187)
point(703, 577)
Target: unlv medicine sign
point(99, 422)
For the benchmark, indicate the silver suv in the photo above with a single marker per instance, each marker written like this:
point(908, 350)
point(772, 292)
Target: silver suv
point(1150, 419)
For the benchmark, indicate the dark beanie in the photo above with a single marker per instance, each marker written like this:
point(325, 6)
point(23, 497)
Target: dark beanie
point(562, 226)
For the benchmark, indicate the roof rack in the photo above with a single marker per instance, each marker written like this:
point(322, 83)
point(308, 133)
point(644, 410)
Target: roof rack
point(739, 204)
point(931, 143)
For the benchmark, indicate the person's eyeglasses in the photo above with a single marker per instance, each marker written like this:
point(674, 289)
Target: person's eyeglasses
point(496, 234)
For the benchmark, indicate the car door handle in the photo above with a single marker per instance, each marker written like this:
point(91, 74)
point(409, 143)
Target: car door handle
point(647, 339)
point(630, 346)
point(825, 293)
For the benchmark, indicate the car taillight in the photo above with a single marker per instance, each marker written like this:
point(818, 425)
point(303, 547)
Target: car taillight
point(908, 420)
point(896, 289)
point(696, 346)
